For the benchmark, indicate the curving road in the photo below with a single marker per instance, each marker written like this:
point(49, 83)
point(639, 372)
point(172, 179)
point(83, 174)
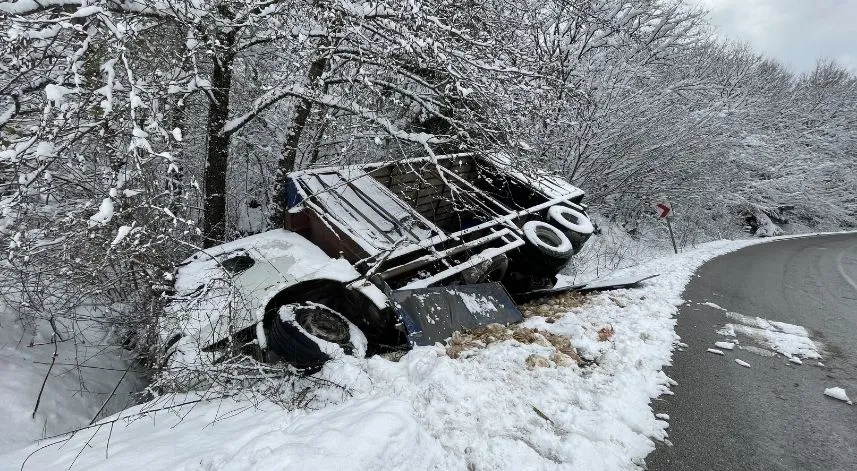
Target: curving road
point(772, 416)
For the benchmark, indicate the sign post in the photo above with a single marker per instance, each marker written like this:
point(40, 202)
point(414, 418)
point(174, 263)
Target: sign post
point(664, 210)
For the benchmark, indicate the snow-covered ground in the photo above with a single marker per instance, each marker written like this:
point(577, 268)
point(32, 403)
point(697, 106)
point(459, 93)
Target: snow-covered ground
point(490, 408)
point(81, 379)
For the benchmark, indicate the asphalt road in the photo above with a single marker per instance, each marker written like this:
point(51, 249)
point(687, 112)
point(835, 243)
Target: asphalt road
point(772, 416)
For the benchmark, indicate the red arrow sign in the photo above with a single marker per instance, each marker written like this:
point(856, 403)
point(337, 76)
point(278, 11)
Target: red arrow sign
point(663, 210)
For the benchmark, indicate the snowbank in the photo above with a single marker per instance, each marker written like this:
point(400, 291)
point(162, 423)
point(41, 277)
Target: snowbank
point(232, 434)
point(72, 395)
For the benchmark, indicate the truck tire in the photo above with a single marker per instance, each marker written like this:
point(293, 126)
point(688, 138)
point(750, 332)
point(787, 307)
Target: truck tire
point(546, 252)
point(548, 241)
point(306, 335)
point(573, 223)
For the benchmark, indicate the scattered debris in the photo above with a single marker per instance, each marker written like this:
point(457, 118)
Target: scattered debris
point(796, 360)
point(605, 333)
point(480, 337)
point(537, 361)
point(820, 364)
point(838, 393)
point(561, 359)
point(715, 306)
point(724, 345)
point(619, 302)
point(554, 307)
point(683, 345)
point(742, 363)
point(715, 351)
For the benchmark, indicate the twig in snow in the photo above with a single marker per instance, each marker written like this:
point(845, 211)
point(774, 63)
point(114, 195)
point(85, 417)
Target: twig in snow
point(541, 414)
point(109, 434)
point(85, 366)
point(42, 390)
point(115, 388)
point(85, 445)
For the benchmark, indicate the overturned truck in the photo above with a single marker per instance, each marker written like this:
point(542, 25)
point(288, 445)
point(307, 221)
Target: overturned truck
point(378, 257)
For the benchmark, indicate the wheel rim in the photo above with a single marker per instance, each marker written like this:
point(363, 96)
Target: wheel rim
point(324, 324)
point(549, 238)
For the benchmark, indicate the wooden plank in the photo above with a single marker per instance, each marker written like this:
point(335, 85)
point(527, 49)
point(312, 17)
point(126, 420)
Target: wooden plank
point(410, 187)
point(412, 178)
point(444, 202)
point(409, 174)
point(425, 193)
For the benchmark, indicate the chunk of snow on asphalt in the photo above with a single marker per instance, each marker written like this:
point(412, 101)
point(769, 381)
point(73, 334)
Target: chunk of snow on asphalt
point(820, 364)
point(759, 351)
point(727, 330)
point(787, 339)
point(796, 360)
point(724, 345)
point(715, 306)
point(742, 363)
point(715, 351)
point(768, 325)
point(663, 416)
point(837, 393)
point(682, 345)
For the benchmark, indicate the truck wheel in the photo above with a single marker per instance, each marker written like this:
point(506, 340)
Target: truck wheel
point(574, 224)
point(307, 335)
point(549, 241)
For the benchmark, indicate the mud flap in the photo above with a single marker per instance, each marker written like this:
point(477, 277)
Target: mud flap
point(431, 315)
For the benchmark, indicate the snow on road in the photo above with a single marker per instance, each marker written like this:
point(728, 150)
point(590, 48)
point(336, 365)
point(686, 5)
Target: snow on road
point(787, 339)
point(838, 393)
point(484, 410)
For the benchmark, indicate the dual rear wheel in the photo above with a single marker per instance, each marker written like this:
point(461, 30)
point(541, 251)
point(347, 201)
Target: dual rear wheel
point(551, 243)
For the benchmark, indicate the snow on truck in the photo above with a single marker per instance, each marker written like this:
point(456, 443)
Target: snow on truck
point(377, 257)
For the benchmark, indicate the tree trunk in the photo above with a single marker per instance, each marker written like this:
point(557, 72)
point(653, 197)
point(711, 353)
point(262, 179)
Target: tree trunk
point(290, 147)
point(175, 180)
point(214, 224)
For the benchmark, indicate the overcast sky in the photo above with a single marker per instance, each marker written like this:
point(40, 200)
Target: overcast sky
point(796, 32)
